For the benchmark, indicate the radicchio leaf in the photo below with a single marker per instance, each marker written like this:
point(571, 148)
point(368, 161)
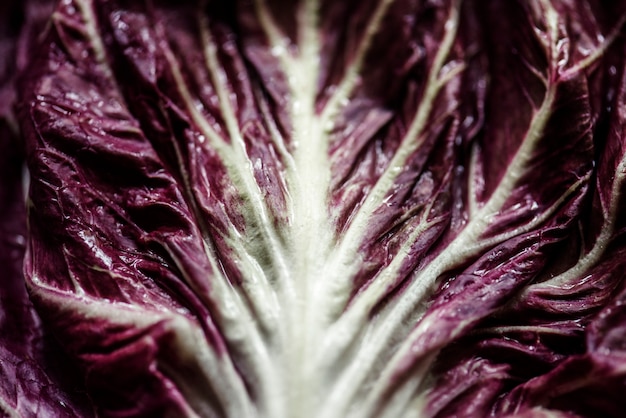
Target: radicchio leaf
point(331, 209)
point(36, 377)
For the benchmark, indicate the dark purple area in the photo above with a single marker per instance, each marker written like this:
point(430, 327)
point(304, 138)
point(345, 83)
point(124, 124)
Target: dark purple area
point(37, 378)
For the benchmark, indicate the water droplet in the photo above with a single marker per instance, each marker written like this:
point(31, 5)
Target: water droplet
point(468, 121)
point(20, 240)
point(278, 50)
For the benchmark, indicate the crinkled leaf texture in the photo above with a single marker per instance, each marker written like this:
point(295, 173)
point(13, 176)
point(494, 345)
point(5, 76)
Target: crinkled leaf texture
point(319, 208)
point(36, 378)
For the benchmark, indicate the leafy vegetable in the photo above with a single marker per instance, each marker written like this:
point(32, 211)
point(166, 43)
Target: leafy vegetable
point(330, 209)
point(36, 378)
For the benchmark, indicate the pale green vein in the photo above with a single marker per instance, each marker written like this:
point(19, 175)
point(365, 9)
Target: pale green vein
point(224, 150)
point(208, 132)
point(230, 392)
point(484, 217)
point(352, 378)
point(587, 261)
point(388, 276)
point(411, 299)
point(397, 403)
point(349, 243)
point(351, 75)
point(277, 139)
point(553, 44)
point(86, 10)
point(262, 219)
point(236, 310)
point(590, 259)
point(536, 221)
point(208, 245)
point(278, 41)
point(89, 19)
point(381, 285)
point(258, 295)
point(598, 52)
point(237, 321)
point(423, 281)
point(559, 328)
point(472, 193)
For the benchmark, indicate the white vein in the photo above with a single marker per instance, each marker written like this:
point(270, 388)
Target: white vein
point(232, 394)
point(307, 178)
point(85, 8)
point(348, 245)
point(590, 259)
point(230, 391)
point(7, 409)
point(262, 219)
point(352, 73)
point(355, 318)
point(472, 193)
point(411, 299)
point(235, 318)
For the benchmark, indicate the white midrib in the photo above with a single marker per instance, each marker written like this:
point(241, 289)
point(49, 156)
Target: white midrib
point(312, 236)
point(323, 285)
point(308, 179)
point(311, 230)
